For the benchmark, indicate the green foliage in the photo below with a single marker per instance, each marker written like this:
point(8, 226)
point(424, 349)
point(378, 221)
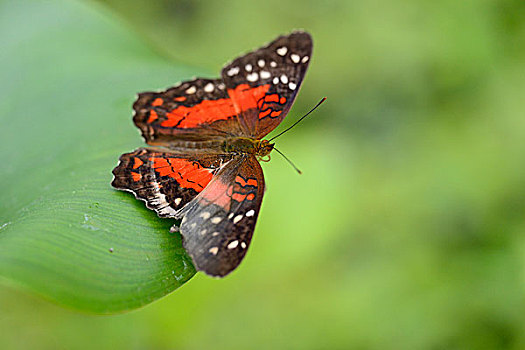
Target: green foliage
point(69, 81)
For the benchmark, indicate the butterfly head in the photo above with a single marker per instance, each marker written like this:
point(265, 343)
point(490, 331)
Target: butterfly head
point(263, 148)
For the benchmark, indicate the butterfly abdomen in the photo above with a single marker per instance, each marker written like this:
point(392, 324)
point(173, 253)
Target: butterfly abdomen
point(210, 146)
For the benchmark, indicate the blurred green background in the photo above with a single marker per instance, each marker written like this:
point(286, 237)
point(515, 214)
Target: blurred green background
point(407, 228)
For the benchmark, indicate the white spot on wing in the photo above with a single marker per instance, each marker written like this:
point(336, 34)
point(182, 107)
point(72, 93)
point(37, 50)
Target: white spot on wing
point(203, 232)
point(248, 67)
point(273, 64)
point(243, 245)
point(177, 201)
point(295, 58)
point(231, 215)
point(205, 215)
point(214, 250)
point(216, 219)
point(275, 80)
point(237, 219)
point(209, 87)
point(265, 74)
point(191, 90)
point(282, 51)
point(215, 234)
point(233, 244)
point(232, 71)
point(252, 77)
point(260, 63)
point(250, 213)
point(284, 79)
point(305, 59)
point(292, 86)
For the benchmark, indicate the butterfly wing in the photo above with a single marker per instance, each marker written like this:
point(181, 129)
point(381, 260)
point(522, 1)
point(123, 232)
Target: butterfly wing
point(252, 98)
point(218, 225)
point(164, 180)
point(194, 110)
point(264, 83)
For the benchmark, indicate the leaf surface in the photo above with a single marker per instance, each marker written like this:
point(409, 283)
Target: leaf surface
point(70, 75)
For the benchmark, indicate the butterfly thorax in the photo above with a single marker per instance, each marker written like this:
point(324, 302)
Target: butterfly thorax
point(245, 145)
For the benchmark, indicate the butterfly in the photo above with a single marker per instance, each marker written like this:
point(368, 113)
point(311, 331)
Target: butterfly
point(207, 140)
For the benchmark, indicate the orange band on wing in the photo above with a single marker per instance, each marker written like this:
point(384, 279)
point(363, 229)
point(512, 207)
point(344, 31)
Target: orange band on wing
point(152, 116)
point(208, 111)
point(239, 192)
point(157, 102)
point(239, 197)
point(266, 108)
point(240, 180)
point(137, 162)
point(188, 174)
point(272, 98)
point(265, 113)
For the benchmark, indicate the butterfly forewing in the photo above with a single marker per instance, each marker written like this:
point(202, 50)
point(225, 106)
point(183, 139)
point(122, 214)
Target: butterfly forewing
point(195, 110)
point(218, 224)
point(263, 84)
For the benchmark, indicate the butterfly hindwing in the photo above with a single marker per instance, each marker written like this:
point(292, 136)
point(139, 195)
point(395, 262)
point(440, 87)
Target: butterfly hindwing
point(164, 180)
point(263, 83)
point(218, 224)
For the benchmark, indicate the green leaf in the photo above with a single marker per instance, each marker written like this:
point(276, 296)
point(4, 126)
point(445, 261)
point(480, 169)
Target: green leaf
point(69, 75)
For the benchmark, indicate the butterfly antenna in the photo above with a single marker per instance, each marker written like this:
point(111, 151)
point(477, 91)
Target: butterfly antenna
point(289, 161)
point(297, 122)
